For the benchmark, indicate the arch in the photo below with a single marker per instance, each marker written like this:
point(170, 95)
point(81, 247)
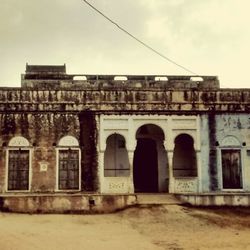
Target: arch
point(19, 141)
point(230, 141)
point(107, 136)
point(150, 130)
point(116, 162)
point(184, 158)
point(150, 167)
point(189, 135)
point(68, 141)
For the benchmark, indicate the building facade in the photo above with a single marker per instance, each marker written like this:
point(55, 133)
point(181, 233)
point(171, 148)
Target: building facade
point(68, 135)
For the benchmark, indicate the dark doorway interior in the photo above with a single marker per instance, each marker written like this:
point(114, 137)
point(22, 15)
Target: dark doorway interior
point(231, 169)
point(146, 166)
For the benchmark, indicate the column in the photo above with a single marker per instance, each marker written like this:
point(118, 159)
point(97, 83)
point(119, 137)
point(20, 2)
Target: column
point(131, 177)
point(170, 154)
point(101, 170)
point(199, 172)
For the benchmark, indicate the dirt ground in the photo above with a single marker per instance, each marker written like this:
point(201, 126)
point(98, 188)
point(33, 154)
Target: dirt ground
point(148, 228)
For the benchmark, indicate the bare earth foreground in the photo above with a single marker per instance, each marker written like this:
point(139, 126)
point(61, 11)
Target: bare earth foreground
point(147, 228)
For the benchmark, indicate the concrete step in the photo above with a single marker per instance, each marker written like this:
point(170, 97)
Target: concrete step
point(157, 199)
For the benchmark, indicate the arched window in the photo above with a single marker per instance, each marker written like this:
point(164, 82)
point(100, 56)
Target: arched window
point(231, 163)
point(18, 155)
point(68, 164)
point(184, 160)
point(116, 163)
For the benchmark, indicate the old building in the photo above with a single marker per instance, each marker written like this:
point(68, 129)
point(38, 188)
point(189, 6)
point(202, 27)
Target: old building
point(68, 142)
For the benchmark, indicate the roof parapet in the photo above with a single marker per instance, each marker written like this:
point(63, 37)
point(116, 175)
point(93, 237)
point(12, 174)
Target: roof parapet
point(55, 77)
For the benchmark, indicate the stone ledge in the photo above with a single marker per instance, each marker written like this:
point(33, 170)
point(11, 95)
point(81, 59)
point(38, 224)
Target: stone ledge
point(216, 199)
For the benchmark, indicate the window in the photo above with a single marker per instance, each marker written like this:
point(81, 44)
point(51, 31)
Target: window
point(68, 169)
point(116, 163)
point(18, 164)
point(68, 158)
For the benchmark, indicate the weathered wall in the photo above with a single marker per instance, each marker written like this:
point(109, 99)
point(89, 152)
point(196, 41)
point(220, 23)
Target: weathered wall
point(113, 100)
point(51, 104)
point(205, 149)
point(43, 131)
point(238, 126)
point(88, 142)
point(214, 129)
point(63, 203)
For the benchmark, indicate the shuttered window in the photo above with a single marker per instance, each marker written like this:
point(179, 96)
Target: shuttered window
point(18, 170)
point(68, 169)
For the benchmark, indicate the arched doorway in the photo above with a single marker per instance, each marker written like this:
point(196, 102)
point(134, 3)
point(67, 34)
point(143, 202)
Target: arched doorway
point(184, 160)
point(150, 169)
point(116, 163)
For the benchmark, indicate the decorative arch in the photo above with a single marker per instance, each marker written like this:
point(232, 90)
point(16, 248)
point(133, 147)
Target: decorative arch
point(107, 136)
point(151, 128)
point(19, 141)
point(68, 141)
point(230, 141)
point(116, 162)
point(184, 158)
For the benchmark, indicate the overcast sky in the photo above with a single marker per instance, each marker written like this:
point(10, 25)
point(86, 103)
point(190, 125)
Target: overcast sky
point(210, 37)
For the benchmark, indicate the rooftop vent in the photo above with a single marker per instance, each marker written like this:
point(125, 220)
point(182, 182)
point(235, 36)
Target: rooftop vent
point(80, 78)
point(161, 78)
point(120, 78)
point(196, 79)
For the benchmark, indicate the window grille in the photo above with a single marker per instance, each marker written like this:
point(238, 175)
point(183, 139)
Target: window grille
point(68, 169)
point(18, 170)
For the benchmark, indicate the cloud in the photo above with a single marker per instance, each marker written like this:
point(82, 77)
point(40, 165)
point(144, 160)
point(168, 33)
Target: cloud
point(210, 37)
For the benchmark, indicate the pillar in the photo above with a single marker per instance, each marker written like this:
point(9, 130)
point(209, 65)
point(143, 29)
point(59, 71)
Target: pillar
point(131, 177)
point(170, 154)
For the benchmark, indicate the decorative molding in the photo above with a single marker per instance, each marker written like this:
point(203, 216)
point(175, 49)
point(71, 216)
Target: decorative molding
point(43, 166)
point(68, 141)
point(18, 141)
point(186, 185)
point(230, 141)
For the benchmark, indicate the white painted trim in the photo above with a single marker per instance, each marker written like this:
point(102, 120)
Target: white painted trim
point(199, 170)
point(7, 168)
point(129, 127)
point(101, 170)
point(57, 169)
point(197, 143)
